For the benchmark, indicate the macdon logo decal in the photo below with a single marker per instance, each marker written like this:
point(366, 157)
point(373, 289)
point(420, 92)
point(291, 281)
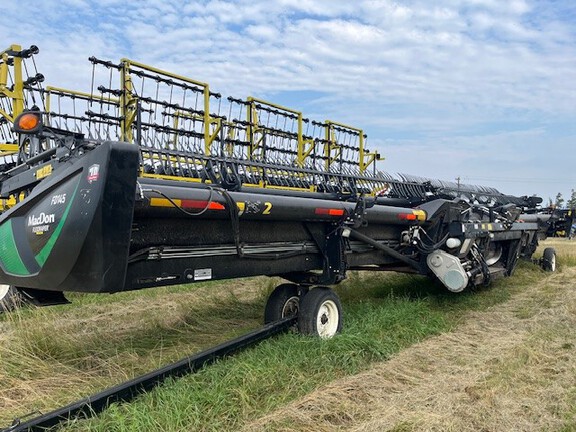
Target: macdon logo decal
point(93, 173)
point(41, 219)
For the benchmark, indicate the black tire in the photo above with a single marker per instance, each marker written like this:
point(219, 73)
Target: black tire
point(320, 313)
point(549, 260)
point(10, 298)
point(283, 302)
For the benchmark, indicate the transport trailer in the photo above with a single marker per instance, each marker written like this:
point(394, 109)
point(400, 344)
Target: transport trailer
point(120, 200)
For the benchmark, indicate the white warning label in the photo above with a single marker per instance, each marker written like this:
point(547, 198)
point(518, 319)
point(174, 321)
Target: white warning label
point(202, 274)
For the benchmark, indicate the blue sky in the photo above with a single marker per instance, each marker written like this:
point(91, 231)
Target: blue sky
point(484, 90)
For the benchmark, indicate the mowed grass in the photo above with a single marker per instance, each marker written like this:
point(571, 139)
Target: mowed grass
point(53, 356)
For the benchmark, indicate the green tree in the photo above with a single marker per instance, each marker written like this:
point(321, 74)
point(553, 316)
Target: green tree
point(572, 201)
point(559, 203)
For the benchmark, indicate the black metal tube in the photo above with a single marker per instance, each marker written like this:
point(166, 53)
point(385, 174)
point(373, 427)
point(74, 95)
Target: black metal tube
point(128, 390)
point(387, 250)
point(265, 207)
point(42, 156)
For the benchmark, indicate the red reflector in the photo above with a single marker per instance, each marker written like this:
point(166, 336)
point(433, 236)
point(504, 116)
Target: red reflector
point(196, 204)
point(329, 212)
point(407, 216)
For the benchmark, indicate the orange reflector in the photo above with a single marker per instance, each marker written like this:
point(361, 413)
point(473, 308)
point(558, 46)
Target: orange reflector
point(216, 206)
point(415, 215)
point(196, 204)
point(329, 211)
point(406, 216)
point(28, 121)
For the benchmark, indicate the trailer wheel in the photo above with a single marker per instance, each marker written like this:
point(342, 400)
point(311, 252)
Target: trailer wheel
point(549, 259)
point(10, 298)
point(283, 302)
point(320, 313)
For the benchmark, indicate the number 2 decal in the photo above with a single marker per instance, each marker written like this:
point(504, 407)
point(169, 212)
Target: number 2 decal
point(267, 208)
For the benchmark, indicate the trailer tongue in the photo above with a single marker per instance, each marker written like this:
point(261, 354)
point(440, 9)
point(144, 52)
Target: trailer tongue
point(135, 191)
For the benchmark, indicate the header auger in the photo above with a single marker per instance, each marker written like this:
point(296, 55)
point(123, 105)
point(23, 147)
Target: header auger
point(150, 178)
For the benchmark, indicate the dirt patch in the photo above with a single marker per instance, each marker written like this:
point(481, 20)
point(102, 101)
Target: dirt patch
point(511, 368)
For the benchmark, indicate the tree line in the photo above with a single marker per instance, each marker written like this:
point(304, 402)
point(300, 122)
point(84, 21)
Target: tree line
point(560, 202)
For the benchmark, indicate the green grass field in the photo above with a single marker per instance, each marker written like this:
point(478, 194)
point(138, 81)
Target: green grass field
point(53, 356)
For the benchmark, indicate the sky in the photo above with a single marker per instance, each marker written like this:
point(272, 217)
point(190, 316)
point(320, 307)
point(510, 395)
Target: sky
point(481, 90)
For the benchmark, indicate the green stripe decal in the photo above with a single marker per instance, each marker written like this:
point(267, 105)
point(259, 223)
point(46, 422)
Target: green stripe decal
point(43, 254)
point(9, 256)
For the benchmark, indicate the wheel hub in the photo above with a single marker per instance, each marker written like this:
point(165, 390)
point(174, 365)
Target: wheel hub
point(291, 307)
point(327, 319)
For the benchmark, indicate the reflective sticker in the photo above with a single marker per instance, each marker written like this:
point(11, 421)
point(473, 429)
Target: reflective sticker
point(186, 204)
point(163, 202)
point(200, 205)
point(329, 211)
point(420, 214)
point(45, 171)
point(407, 216)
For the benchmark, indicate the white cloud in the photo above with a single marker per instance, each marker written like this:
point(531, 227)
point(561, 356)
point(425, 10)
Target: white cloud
point(463, 70)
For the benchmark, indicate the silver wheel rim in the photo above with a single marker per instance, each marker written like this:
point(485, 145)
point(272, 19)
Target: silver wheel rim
point(327, 319)
point(291, 307)
point(553, 262)
point(4, 291)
